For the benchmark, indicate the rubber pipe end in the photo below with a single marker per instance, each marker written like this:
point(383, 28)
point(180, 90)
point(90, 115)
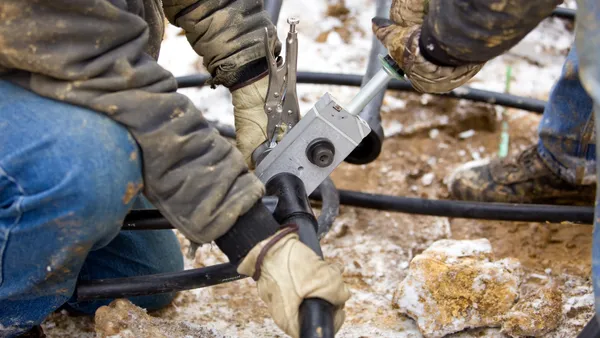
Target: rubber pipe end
point(368, 150)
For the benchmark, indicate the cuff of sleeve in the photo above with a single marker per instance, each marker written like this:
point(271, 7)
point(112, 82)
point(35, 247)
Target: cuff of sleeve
point(245, 75)
point(250, 229)
point(432, 50)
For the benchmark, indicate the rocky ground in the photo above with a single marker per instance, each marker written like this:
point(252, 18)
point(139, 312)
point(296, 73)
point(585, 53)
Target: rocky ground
point(426, 138)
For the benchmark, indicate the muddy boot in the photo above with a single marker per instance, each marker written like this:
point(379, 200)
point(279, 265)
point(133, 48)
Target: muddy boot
point(520, 179)
point(35, 332)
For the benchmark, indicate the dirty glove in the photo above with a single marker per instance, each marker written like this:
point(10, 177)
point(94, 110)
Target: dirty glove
point(250, 117)
point(401, 37)
point(287, 272)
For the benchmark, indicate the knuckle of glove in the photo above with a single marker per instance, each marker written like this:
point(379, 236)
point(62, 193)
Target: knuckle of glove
point(427, 77)
point(399, 41)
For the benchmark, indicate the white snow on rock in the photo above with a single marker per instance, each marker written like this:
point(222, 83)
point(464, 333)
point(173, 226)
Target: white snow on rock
point(456, 284)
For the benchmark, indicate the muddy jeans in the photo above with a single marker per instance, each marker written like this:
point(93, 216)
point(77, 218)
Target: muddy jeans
point(567, 139)
point(68, 177)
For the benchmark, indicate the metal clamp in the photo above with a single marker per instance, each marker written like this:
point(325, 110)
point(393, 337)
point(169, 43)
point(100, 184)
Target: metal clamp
point(281, 103)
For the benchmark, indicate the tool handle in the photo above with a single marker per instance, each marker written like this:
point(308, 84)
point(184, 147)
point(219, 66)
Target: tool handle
point(316, 315)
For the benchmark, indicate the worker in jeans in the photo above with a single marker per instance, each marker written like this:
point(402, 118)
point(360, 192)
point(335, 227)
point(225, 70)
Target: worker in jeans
point(89, 120)
point(441, 44)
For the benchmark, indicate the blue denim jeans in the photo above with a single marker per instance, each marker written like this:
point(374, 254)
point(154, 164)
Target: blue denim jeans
point(567, 142)
point(68, 177)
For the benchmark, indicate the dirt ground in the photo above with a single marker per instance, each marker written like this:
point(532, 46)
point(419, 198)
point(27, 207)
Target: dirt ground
point(375, 247)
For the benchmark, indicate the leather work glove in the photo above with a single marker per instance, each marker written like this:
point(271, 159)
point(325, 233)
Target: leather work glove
point(250, 117)
point(287, 272)
point(400, 36)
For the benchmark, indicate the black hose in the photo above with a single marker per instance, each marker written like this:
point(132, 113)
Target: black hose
point(467, 93)
point(224, 130)
point(464, 209)
point(591, 329)
point(114, 288)
point(330, 207)
point(158, 283)
point(152, 219)
point(146, 220)
point(273, 7)
point(564, 13)
point(370, 147)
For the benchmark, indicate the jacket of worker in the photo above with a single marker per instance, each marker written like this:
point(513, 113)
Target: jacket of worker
point(459, 32)
point(101, 54)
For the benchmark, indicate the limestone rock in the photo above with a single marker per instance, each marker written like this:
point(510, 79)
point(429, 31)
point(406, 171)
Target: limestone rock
point(122, 319)
point(535, 315)
point(455, 285)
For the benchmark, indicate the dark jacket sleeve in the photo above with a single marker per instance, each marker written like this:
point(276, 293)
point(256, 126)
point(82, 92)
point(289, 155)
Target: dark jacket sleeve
point(228, 34)
point(90, 53)
point(457, 32)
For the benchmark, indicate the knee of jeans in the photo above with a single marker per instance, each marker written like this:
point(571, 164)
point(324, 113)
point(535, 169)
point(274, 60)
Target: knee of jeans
point(111, 178)
point(98, 175)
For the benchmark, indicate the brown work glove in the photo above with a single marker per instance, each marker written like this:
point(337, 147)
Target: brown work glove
point(250, 117)
point(400, 36)
point(289, 273)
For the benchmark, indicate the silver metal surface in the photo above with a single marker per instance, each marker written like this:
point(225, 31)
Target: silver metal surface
point(327, 119)
point(375, 86)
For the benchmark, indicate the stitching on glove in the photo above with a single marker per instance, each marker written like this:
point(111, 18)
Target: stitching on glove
point(288, 229)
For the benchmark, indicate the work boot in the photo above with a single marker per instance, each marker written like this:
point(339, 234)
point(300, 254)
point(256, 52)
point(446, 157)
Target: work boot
point(34, 332)
point(524, 178)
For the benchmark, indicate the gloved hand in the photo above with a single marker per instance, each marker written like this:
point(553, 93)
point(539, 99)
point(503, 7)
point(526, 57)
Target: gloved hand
point(250, 117)
point(288, 273)
point(400, 36)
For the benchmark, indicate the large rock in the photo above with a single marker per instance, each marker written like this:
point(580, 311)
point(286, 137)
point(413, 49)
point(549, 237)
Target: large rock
point(454, 285)
point(122, 319)
point(536, 314)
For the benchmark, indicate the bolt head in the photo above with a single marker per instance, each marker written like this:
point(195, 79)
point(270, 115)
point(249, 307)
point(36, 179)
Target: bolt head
point(293, 20)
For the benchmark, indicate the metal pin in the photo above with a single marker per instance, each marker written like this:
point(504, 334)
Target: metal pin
point(293, 21)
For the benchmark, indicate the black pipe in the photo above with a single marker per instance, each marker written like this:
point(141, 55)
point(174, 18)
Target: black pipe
point(591, 329)
point(145, 220)
point(564, 13)
point(224, 130)
point(330, 208)
point(370, 147)
point(316, 315)
point(158, 283)
point(465, 209)
point(467, 93)
point(273, 7)
point(152, 219)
